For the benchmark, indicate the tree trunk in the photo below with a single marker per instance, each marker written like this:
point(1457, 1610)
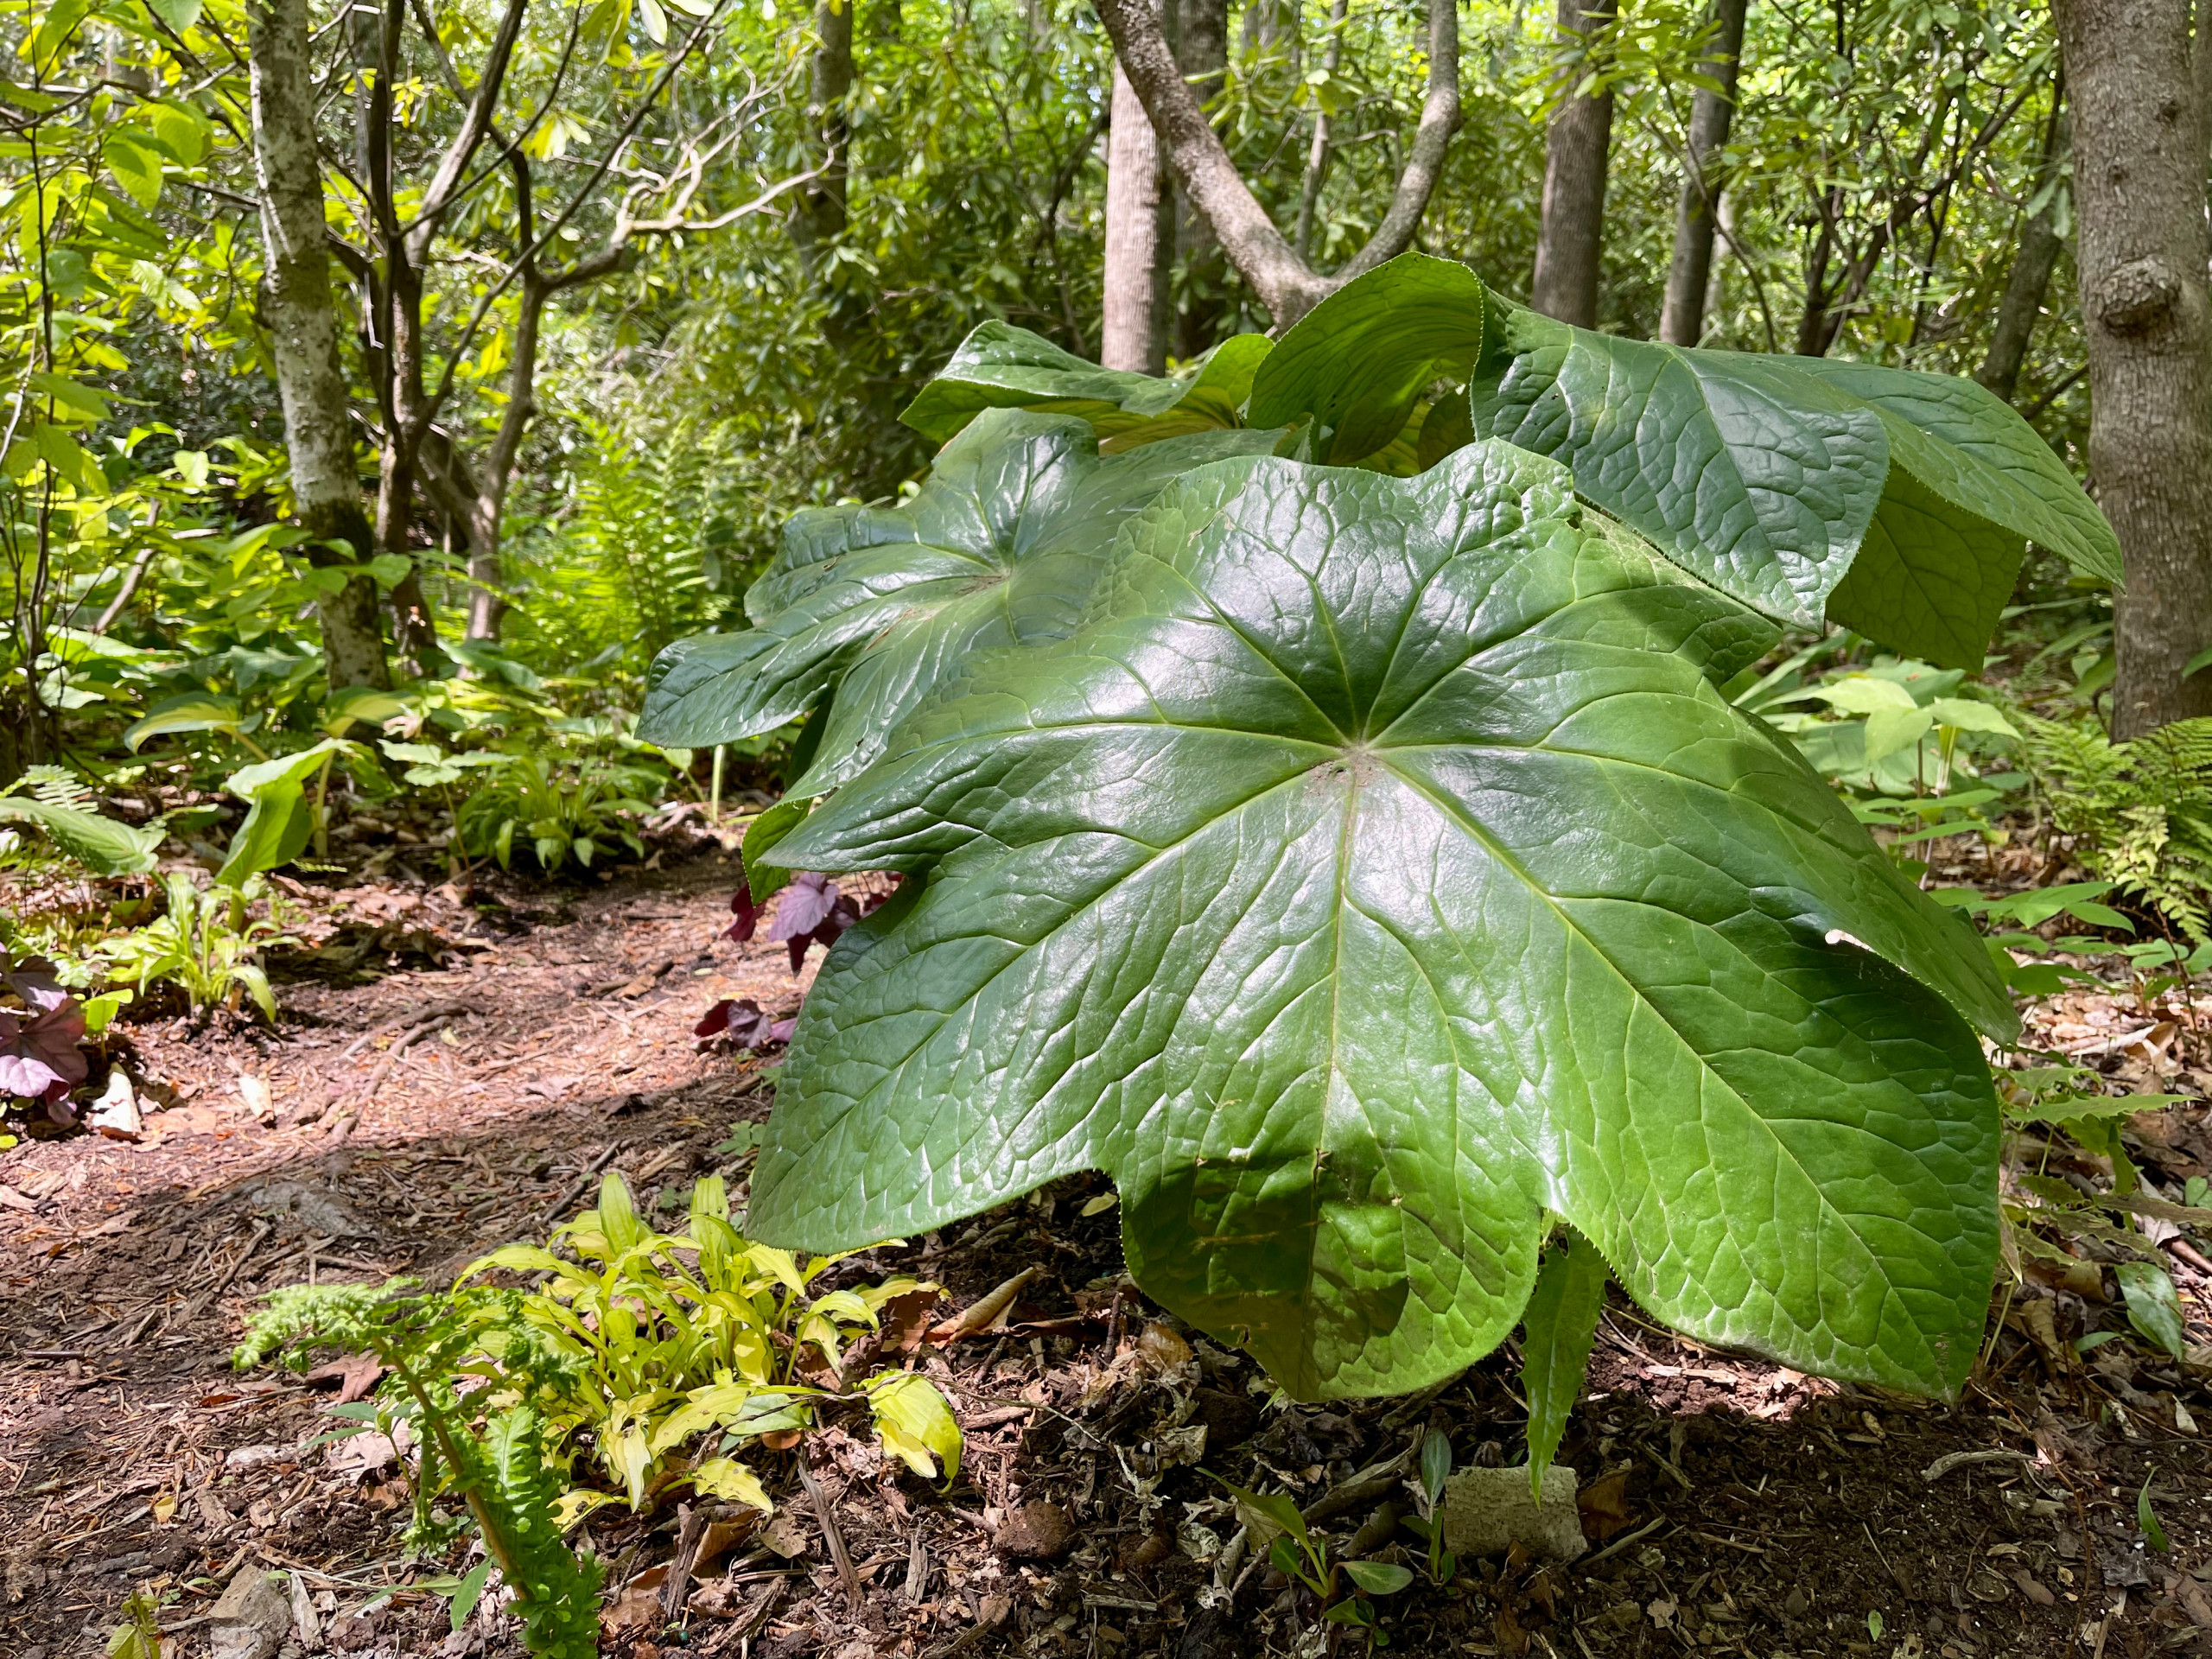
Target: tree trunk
point(487, 602)
point(1576, 151)
point(1203, 50)
point(303, 328)
point(2139, 99)
point(2030, 278)
point(1681, 317)
point(1283, 282)
point(1317, 154)
point(823, 209)
point(1140, 236)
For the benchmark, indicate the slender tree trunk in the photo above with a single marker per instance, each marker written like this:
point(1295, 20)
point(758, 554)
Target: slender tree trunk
point(2030, 278)
point(1681, 317)
point(2138, 87)
point(1140, 237)
point(303, 328)
point(407, 417)
point(1576, 152)
point(823, 209)
point(1203, 50)
point(487, 603)
point(1317, 154)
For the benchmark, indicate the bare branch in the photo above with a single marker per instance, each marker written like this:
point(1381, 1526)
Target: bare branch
point(454, 165)
point(1440, 119)
point(1287, 285)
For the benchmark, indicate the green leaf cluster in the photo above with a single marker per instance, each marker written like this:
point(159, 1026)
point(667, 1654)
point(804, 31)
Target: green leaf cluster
point(1358, 850)
point(662, 1357)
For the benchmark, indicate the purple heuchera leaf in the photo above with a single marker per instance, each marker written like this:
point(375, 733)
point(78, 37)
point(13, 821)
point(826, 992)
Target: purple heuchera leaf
point(39, 1052)
point(746, 911)
point(810, 900)
point(739, 1023)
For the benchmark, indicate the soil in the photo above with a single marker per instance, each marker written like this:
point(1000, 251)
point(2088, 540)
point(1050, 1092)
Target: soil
point(453, 1064)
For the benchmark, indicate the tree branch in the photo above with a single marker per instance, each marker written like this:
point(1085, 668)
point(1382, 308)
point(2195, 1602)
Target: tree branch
point(446, 183)
point(1286, 284)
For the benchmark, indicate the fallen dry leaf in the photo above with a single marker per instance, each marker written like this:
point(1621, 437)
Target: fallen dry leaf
point(1603, 1506)
point(356, 1375)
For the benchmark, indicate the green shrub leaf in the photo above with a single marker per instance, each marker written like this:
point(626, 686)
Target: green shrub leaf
point(279, 818)
point(1895, 503)
point(2153, 1305)
point(1379, 869)
point(1000, 547)
point(1562, 1321)
point(1359, 362)
point(1001, 366)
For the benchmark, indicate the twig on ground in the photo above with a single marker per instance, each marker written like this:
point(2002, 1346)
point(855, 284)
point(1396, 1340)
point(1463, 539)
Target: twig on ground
point(1950, 1460)
point(1623, 1542)
point(831, 1534)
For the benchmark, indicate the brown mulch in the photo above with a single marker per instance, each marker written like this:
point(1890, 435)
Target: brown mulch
point(453, 1064)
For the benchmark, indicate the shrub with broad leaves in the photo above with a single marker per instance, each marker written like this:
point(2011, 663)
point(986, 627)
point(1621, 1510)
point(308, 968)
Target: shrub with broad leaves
point(1359, 860)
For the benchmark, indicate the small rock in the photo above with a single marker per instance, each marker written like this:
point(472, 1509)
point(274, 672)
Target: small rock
point(115, 1114)
point(1037, 1532)
point(1796, 1604)
point(1487, 1511)
point(252, 1618)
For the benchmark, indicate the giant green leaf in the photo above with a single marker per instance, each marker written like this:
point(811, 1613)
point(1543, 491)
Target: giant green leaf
point(1896, 503)
point(1359, 362)
point(1377, 870)
point(1000, 547)
point(1001, 366)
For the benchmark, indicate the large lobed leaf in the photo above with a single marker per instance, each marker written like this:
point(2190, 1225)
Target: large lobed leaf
point(1357, 363)
point(1376, 872)
point(1001, 366)
point(1896, 503)
point(1001, 546)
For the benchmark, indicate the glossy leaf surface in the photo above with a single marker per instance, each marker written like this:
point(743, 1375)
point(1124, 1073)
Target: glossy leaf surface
point(1357, 363)
point(1001, 366)
point(1896, 503)
point(1561, 1323)
point(1378, 870)
point(1000, 547)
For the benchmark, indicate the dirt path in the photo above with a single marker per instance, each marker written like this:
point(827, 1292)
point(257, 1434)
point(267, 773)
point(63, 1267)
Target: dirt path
point(458, 1098)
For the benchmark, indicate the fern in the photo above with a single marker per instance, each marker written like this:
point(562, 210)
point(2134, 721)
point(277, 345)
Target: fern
point(500, 1471)
point(2138, 814)
point(625, 567)
point(54, 785)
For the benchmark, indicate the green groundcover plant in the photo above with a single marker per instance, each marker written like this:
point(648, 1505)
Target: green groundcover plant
point(1365, 869)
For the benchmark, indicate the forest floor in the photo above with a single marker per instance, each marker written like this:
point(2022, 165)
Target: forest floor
point(451, 1067)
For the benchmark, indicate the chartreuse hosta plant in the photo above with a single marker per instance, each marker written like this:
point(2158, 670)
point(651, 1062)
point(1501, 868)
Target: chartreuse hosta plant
point(661, 1361)
point(1373, 877)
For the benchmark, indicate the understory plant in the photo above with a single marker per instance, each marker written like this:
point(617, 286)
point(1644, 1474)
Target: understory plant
point(2137, 815)
point(655, 1361)
point(556, 808)
point(1361, 856)
point(206, 943)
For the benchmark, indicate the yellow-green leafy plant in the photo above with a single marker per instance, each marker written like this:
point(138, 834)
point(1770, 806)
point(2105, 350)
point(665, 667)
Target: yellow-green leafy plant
point(204, 943)
point(658, 1354)
point(702, 1331)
